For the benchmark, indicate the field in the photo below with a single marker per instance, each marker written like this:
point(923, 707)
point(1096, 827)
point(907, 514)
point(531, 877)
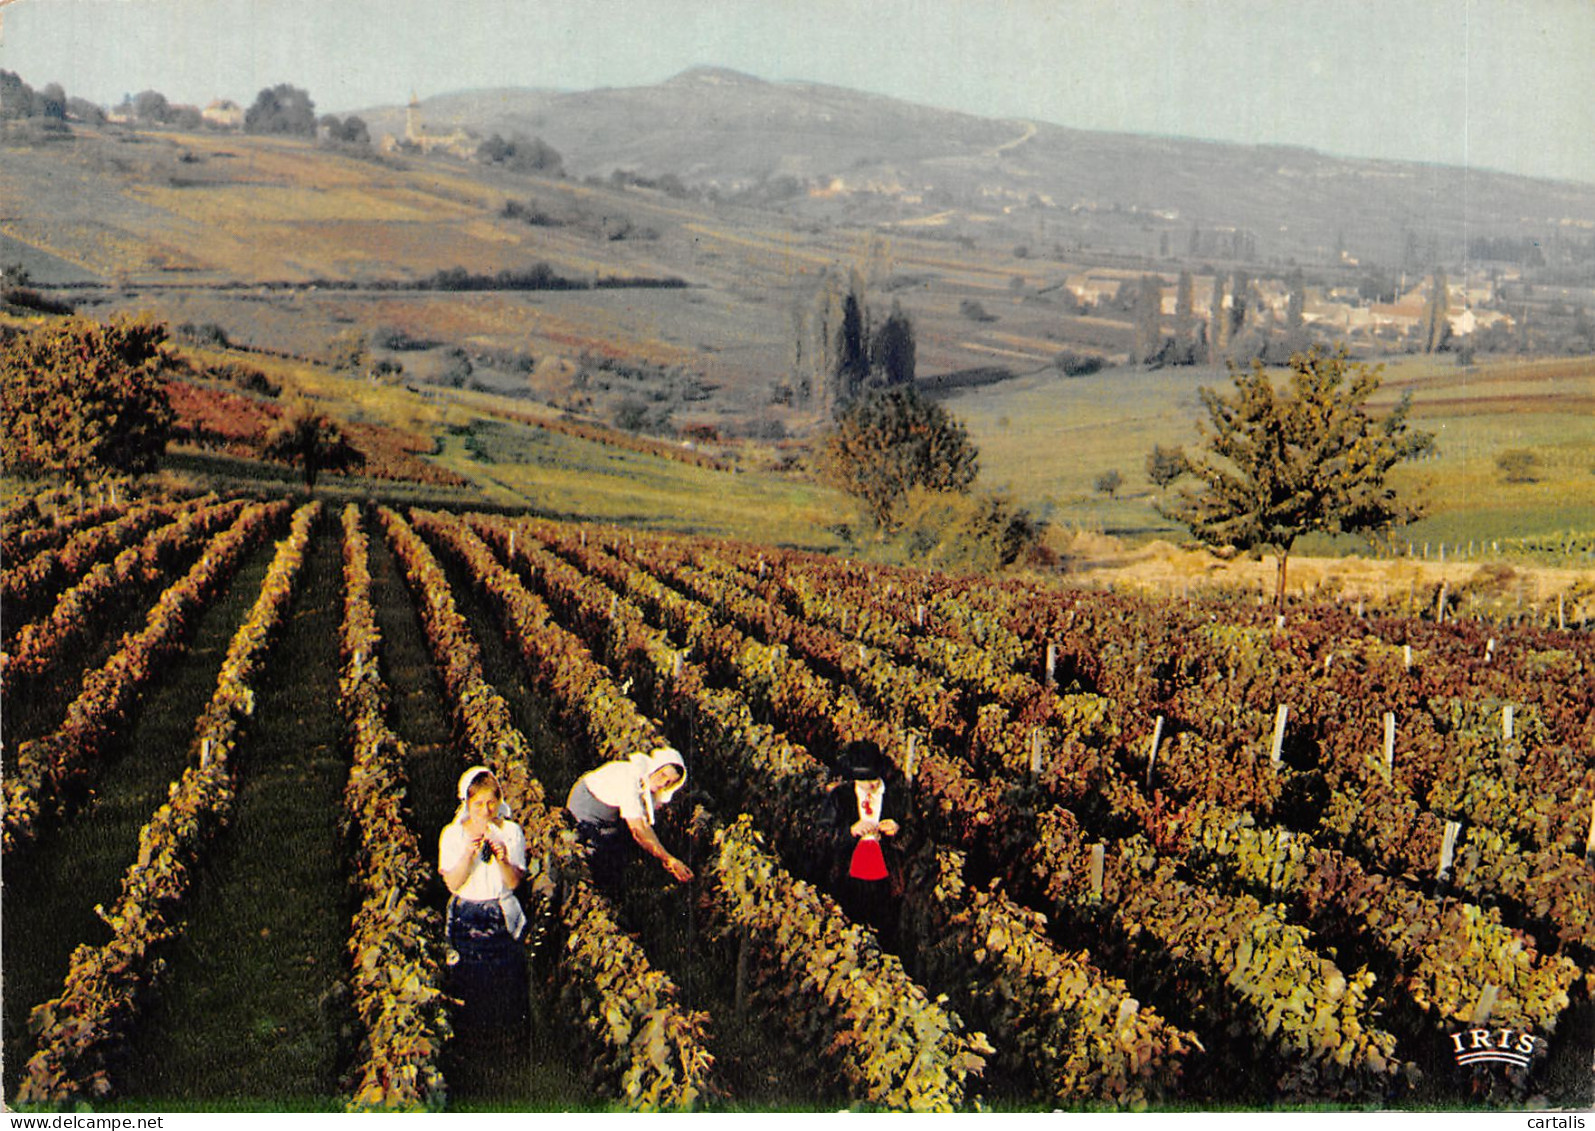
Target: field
point(1159, 853)
point(1046, 439)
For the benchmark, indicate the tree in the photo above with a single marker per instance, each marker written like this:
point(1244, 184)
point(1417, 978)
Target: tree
point(1436, 324)
point(81, 398)
point(1109, 482)
point(1276, 466)
point(1217, 320)
point(1518, 465)
point(84, 111)
point(852, 347)
point(151, 106)
point(281, 109)
point(1164, 465)
point(308, 438)
point(890, 440)
point(16, 97)
point(1185, 319)
point(1148, 307)
point(50, 102)
point(1296, 306)
point(892, 350)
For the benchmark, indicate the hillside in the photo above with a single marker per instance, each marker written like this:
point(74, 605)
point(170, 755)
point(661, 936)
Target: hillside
point(670, 297)
point(736, 134)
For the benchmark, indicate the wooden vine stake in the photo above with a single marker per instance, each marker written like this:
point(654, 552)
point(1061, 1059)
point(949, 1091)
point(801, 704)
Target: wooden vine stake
point(1280, 716)
point(919, 615)
point(204, 753)
point(1035, 752)
point(675, 666)
point(739, 997)
point(1128, 1008)
point(1406, 656)
point(1448, 849)
point(1589, 841)
point(1390, 743)
point(1151, 755)
point(1098, 858)
point(913, 756)
point(1561, 612)
point(1506, 722)
point(1489, 650)
point(1052, 664)
point(512, 543)
point(1439, 604)
point(1485, 1005)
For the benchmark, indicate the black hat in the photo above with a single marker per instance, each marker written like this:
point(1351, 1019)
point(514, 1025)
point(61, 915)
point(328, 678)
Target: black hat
point(862, 760)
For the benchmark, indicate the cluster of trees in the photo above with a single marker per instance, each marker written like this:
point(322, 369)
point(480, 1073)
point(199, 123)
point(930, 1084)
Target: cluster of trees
point(843, 348)
point(349, 131)
point(152, 108)
point(282, 109)
point(49, 105)
point(521, 154)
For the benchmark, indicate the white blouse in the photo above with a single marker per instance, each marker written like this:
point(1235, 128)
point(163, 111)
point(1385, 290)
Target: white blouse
point(486, 881)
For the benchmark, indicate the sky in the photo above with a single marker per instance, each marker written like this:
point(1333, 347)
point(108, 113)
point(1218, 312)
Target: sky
point(1507, 85)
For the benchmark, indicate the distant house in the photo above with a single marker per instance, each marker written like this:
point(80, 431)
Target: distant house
point(1094, 288)
point(224, 113)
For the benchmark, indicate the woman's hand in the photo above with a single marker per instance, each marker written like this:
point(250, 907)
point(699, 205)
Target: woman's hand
point(678, 870)
point(888, 827)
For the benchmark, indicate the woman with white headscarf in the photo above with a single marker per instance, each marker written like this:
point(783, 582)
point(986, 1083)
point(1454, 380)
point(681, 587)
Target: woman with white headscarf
point(614, 806)
point(482, 858)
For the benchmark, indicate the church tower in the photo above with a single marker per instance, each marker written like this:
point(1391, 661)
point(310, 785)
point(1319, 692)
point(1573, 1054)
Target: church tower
point(412, 120)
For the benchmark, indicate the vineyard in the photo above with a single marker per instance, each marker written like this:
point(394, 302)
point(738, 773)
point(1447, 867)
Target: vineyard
point(1159, 853)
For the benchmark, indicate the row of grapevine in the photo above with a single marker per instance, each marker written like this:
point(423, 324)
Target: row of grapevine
point(395, 937)
point(29, 530)
point(28, 587)
point(82, 610)
point(46, 771)
point(79, 1029)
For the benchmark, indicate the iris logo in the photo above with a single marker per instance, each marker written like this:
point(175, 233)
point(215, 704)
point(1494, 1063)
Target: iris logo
point(1494, 1046)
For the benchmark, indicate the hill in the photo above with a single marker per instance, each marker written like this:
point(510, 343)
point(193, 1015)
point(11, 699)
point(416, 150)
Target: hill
point(832, 152)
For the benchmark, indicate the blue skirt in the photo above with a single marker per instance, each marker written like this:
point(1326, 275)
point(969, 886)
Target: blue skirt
point(487, 966)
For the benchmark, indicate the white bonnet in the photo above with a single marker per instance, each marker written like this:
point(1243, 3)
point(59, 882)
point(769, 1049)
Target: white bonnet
point(468, 777)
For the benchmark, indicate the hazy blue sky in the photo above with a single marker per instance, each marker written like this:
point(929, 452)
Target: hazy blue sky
point(1501, 84)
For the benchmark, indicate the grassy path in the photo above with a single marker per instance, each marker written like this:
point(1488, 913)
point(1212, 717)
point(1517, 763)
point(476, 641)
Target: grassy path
point(51, 889)
point(254, 1012)
point(545, 1075)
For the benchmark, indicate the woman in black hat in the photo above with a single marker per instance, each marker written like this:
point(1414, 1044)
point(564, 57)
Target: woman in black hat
point(866, 813)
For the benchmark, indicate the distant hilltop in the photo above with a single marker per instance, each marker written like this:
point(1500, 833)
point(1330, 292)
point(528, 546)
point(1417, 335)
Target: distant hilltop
point(718, 130)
